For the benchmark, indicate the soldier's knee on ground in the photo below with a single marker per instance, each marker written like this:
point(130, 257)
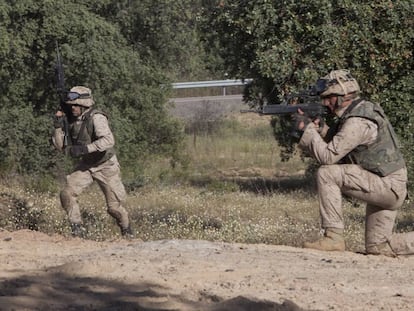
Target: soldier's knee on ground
point(402, 243)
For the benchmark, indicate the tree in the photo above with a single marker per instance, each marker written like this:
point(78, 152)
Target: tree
point(286, 45)
point(163, 32)
point(95, 54)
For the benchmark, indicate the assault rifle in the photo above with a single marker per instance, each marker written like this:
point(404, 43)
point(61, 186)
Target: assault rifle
point(308, 101)
point(61, 91)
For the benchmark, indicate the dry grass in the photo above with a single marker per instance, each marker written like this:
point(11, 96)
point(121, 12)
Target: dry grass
point(243, 143)
point(214, 213)
point(234, 189)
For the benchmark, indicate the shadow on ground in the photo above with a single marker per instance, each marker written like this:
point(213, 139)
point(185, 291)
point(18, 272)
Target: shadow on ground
point(262, 185)
point(59, 291)
point(284, 185)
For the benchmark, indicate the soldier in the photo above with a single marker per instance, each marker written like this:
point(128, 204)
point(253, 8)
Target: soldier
point(360, 158)
point(92, 143)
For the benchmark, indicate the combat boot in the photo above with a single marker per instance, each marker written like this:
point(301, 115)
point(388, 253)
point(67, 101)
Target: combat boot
point(77, 230)
point(333, 240)
point(127, 233)
point(381, 249)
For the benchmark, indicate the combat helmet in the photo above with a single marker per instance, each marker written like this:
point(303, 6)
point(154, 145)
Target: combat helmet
point(80, 95)
point(337, 82)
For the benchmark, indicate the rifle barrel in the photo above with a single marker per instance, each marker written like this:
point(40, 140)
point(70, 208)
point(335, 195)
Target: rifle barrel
point(289, 109)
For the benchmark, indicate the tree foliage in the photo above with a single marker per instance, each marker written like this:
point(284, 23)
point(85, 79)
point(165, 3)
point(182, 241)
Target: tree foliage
point(286, 45)
point(122, 50)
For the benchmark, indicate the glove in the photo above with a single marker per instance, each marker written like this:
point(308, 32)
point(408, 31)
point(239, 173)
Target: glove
point(57, 122)
point(78, 150)
point(300, 121)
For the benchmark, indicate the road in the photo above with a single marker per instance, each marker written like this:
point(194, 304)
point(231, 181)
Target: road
point(188, 107)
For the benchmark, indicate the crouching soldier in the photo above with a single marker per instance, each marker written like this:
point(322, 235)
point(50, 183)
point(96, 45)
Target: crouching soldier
point(360, 158)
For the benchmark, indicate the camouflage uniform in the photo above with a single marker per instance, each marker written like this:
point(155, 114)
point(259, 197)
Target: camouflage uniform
point(97, 162)
point(361, 159)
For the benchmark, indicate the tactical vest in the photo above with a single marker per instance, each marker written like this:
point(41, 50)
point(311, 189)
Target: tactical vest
point(83, 133)
point(383, 157)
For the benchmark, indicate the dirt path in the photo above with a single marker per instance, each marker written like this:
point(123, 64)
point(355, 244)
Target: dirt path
point(41, 272)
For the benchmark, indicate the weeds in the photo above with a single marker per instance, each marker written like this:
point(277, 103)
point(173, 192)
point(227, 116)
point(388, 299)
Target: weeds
point(234, 189)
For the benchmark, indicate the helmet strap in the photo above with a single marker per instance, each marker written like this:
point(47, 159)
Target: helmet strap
point(343, 98)
point(83, 109)
point(340, 100)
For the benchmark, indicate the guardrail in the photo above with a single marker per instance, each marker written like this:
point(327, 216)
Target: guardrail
point(214, 83)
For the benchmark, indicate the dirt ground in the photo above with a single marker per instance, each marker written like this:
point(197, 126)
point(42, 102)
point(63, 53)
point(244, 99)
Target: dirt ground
point(41, 272)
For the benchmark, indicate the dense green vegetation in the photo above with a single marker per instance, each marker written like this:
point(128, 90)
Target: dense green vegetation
point(286, 45)
point(128, 52)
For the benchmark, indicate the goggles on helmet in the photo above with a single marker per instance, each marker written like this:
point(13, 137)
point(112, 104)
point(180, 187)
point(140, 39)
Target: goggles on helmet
point(323, 84)
point(70, 96)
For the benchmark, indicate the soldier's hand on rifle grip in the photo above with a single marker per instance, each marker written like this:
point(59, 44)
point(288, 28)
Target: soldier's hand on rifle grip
point(301, 120)
point(319, 123)
point(58, 121)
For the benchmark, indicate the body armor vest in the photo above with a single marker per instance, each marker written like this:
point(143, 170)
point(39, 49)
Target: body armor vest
point(383, 157)
point(83, 133)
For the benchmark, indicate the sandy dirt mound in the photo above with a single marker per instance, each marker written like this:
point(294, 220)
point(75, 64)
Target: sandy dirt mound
point(41, 272)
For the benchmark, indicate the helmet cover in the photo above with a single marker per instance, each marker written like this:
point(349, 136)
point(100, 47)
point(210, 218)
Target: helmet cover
point(337, 82)
point(80, 95)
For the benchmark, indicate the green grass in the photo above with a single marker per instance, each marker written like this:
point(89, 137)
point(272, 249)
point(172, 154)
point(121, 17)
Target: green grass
point(238, 146)
point(234, 188)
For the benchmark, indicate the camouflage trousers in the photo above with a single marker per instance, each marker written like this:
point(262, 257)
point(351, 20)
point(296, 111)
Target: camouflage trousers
point(108, 177)
point(383, 195)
